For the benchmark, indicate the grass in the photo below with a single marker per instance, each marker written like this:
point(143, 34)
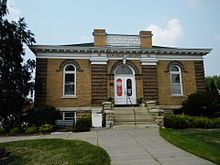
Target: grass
point(201, 142)
point(56, 152)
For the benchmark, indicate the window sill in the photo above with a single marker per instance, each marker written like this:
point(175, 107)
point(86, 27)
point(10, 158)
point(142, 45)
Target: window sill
point(68, 97)
point(177, 95)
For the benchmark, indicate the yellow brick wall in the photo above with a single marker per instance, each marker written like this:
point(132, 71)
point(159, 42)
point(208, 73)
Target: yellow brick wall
point(55, 85)
point(146, 39)
point(83, 83)
point(99, 37)
point(164, 86)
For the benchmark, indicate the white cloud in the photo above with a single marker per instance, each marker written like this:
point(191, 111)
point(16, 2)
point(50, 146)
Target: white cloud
point(170, 35)
point(14, 12)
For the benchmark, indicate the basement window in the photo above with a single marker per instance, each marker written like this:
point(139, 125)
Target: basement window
point(66, 119)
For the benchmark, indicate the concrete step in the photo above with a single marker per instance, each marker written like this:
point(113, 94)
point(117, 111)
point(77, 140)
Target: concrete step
point(130, 109)
point(132, 113)
point(133, 126)
point(132, 122)
point(132, 118)
point(125, 116)
point(124, 119)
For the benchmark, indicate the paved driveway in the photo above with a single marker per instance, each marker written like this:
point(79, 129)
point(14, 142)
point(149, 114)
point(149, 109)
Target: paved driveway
point(130, 146)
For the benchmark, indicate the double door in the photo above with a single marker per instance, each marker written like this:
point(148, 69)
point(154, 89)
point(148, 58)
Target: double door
point(125, 90)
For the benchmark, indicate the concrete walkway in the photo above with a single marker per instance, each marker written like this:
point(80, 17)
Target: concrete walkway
point(129, 146)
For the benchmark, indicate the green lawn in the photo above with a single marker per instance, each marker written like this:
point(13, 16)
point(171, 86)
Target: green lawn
point(56, 152)
point(204, 143)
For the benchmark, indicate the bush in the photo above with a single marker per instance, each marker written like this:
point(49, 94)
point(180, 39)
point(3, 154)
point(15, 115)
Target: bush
point(201, 122)
point(15, 131)
point(202, 104)
point(185, 121)
point(31, 130)
point(216, 122)
point(83, 124)
point(42, 115)
point(177, 122)
point(2, 131)
point(46, 128)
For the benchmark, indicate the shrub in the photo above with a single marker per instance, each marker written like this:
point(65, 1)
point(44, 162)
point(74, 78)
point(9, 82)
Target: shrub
point(15, 131)
point(112, 100)
point(216, 123)
point(83, 124)
point(177, 122)
point(31, 130)
point(140, 101)
point(46, 128)
point(201, 122)
point(2, 131)
point(202, 104)
point(42, 115)
point(185, 121)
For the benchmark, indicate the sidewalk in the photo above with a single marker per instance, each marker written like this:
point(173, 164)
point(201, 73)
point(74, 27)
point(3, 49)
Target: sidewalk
point(129, 146)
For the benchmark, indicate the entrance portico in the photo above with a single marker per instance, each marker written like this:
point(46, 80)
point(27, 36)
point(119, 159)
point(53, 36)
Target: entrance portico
point(125, 85)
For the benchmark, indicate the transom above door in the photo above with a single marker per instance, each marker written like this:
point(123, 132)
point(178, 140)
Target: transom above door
point(125, 86)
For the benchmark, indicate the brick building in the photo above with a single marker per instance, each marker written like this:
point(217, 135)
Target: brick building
point(123, 67)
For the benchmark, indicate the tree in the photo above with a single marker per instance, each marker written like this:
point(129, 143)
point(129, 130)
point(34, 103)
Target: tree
point(202, 104)
point(15, 74)
point(212, 83)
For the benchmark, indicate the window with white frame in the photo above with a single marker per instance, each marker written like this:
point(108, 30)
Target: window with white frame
point(66, 119)
point(69, 80)
point(176, 80)
point(67, 115)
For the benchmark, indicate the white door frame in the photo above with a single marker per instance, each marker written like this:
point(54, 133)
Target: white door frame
point(124, 94)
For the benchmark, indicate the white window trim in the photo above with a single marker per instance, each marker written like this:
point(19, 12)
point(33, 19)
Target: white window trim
point(64, 73)
point(64, 116)
point(133, 72)
point(181, 83)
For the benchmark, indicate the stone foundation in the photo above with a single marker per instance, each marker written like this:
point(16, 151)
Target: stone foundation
point(156, 112)
point(109, 118)
point(108, 114)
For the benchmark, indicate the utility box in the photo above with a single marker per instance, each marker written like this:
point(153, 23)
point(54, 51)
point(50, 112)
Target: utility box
point(96, 118)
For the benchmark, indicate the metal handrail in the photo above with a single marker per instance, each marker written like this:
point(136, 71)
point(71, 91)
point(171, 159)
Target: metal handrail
point(133, 110)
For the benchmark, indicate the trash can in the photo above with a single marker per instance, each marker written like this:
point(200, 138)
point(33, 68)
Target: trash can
point(96, 118)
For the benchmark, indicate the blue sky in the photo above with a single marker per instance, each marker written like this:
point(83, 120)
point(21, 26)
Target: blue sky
point(182, 23)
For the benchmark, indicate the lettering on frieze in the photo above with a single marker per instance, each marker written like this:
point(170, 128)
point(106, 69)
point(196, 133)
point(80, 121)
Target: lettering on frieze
point(114, 55)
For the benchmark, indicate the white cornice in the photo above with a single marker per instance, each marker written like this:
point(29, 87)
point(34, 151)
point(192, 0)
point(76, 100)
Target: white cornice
point(155, 50)
point(104, 58)
point(178, 57)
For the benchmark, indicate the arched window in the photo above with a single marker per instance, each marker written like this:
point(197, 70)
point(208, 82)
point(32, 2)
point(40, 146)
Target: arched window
point(69, 80)
point(176, 80)
point(123, 69)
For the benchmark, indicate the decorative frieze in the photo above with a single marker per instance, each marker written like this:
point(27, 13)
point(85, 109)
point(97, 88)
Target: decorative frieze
point(119, 55)
point(123, 40)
